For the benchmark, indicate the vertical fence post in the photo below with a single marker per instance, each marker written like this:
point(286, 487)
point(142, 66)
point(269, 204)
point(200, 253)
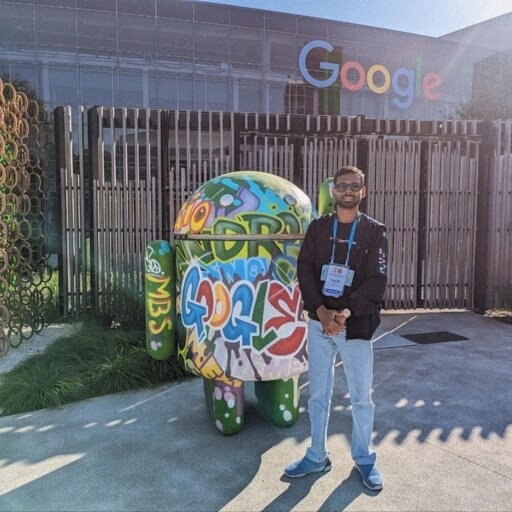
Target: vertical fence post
point(298, 161)
point(485, 170)
point(93, 136)
point(166, 187)
point(60, 161)
point(363, 162)
point(236, 141)
point(423, 199)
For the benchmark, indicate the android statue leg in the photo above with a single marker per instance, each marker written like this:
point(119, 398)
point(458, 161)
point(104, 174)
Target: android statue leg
point(279, 400)
point(225, 404)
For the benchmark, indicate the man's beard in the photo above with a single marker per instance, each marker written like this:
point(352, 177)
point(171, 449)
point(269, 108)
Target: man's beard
point(347, 202)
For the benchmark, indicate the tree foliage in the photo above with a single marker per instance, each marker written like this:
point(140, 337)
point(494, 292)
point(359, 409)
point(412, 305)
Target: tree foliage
point(491, 97)
point(485, 105)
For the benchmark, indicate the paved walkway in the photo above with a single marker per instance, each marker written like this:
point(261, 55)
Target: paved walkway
point(443, 433)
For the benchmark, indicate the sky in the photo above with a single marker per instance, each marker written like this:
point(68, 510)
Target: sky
point(426, 17)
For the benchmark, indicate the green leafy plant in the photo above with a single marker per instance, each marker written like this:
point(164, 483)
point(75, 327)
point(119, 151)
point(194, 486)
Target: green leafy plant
point(94, 361)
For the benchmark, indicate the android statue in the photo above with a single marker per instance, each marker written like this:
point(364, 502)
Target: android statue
point(236, 312)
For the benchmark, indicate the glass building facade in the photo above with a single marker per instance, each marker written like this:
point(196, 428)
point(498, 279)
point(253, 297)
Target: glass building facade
point(178, 54)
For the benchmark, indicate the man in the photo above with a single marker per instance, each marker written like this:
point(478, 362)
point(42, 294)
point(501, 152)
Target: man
point(341, 269)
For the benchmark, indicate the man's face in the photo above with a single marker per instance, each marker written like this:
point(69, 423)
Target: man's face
point(348, 191)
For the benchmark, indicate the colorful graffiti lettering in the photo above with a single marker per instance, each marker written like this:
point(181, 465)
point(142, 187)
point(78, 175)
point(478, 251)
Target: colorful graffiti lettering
point(160, 299)
point(249, 268)
point(159, 304)
point(251, 223)
point(265, 317)
point(237, 294)
point(151, 264)
point(194, 215)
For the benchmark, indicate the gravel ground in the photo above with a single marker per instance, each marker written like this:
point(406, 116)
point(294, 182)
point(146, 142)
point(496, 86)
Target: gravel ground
point(36, 344)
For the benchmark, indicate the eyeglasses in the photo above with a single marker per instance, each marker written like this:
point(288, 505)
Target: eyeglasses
point(354, 186)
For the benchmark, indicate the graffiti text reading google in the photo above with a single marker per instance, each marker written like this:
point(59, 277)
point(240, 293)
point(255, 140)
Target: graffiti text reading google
point(403, 81)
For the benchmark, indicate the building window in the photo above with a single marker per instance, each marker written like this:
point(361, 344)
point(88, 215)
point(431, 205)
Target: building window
point(131, 90)
point(212, 41)
point(167, 91)
point(17, 25)
point(96, 87)
point(61, 85)
point(295, 97)
point(55, 27)
point(175, 37)
point(249, 97)
point(96, 29)
point(185, 93)
point(217, 95)
point(136, 34)
point(276, 99)
point(246, 45)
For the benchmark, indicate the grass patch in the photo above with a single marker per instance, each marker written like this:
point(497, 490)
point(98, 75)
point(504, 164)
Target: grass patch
point(92, 362)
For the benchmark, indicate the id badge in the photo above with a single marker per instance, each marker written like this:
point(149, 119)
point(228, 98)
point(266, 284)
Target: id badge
point(335, 280)
point(350, 277)
point(336, 277)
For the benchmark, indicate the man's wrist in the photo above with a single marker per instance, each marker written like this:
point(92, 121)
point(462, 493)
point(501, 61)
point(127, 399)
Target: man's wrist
point(320, 308)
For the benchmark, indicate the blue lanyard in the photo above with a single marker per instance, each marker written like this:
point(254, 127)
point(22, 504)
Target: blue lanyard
point(350, 239)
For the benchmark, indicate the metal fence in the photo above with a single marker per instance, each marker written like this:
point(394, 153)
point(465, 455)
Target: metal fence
point(26, 278)
point(442, 188)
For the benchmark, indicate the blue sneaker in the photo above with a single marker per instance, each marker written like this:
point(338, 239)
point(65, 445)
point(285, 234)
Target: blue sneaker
point(371, 476)
point(306, 466)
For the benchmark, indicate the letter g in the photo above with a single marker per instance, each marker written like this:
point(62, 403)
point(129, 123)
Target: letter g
point(323, 65)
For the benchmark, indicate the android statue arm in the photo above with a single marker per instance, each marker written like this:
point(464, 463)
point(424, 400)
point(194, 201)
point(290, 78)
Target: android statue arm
point(326, 203)
point(160, 299)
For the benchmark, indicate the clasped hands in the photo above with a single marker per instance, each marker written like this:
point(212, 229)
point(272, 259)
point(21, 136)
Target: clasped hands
point(333, 322)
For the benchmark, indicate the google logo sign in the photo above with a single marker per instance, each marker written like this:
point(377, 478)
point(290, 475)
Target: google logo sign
point(406, 83)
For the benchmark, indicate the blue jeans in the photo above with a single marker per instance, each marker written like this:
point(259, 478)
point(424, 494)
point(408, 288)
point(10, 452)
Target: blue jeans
point(357, 357)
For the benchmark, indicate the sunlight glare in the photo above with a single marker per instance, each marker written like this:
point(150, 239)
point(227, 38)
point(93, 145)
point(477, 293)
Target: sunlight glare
point(26, 428)
point(20, 473)
point(113, 423)
point(401, 403)
point(46, 428)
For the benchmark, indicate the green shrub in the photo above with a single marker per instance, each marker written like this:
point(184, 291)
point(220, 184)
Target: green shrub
point(94, 361)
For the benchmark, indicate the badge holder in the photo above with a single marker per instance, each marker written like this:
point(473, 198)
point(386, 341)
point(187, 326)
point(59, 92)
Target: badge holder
point(335, 275)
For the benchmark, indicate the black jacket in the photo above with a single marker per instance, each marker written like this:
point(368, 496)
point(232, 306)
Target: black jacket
point(368, 258)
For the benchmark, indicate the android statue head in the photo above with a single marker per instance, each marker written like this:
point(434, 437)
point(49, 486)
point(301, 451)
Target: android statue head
point(238, 302)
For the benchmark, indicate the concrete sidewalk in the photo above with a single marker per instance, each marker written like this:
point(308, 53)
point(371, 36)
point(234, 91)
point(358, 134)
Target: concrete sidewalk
point(443, 434)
